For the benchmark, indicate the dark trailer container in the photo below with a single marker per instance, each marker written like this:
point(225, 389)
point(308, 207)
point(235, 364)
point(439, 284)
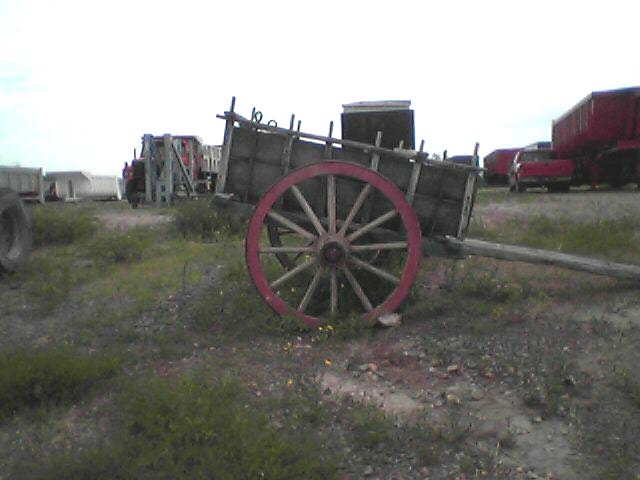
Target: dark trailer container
point(361, 121)
point(601, 134)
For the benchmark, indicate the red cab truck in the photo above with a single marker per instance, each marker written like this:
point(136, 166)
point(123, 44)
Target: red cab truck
point(497, 164)
point(601, 135)
point(540, 167)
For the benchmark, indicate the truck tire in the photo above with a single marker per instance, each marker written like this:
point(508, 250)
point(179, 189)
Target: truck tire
point(15, 231)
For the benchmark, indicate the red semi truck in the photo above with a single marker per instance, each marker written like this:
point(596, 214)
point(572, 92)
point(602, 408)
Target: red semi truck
point(601, 135)
point(497, 165)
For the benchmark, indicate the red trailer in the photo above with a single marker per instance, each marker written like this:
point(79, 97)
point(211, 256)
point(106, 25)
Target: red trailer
point(497, 164)
point(601, 134)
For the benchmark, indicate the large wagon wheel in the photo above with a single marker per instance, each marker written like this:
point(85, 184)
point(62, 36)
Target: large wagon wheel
point(327, 275)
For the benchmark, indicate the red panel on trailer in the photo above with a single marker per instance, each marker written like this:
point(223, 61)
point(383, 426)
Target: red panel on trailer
point(598, 122)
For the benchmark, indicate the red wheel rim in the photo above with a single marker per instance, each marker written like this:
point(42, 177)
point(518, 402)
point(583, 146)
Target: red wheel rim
point(324, 248)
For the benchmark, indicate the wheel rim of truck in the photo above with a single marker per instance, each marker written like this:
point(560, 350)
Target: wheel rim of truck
point(329, 276)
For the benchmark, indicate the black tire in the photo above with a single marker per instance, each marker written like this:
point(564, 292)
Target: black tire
point(15, 232)
point(520, 188)
point(558, 188)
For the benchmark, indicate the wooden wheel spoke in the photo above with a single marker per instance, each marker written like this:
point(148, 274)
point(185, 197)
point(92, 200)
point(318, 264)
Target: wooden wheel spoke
point(379, 246)
point(356, 208)
point(284, 230)
point(331, 203)
point(375, 270)
point(291, 225)
point(371, 225)
point(308, 210)
point(292, 273)
point(303, 249)
point(333, 298)
point(310, 290)
point(357, 289)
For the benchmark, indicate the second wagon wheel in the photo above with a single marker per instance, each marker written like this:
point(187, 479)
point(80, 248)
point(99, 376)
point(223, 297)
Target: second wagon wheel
point(328, 275)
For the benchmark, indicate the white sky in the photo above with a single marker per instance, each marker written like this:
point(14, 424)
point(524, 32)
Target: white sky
point(82, 81)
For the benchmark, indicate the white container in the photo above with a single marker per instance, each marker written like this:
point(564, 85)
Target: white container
point(78, 185)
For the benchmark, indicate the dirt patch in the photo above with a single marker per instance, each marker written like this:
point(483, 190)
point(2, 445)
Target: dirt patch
point(580, 206)
point(125, 219)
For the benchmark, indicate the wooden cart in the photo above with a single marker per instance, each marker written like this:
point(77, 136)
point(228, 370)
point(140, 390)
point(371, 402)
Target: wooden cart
point(338, 226)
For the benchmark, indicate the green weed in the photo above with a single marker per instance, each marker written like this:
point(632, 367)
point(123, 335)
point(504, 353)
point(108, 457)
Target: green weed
point(190, 429)
point(612, 238)
point(55, 225)
point(120, 247)
point(49, 377)
point(198, 219)
point(370, 428)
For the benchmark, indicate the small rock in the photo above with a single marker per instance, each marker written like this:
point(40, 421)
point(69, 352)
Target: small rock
point(453, 399)
point(537, 419)
point(453, 369)
point(368, 471)
point(477, 394)
point(389, 320)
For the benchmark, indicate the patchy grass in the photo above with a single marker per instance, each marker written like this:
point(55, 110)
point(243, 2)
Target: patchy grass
point(193, 428)
point(197, 219)
point(62, 224)
point(178, 299)
point(45, 378)
point(122, 247)
point(615, 239)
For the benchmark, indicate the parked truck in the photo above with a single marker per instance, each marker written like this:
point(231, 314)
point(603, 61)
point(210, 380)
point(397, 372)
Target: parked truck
point(169, 166)
point(497, 165)
point(601, 136)
point(536, 166)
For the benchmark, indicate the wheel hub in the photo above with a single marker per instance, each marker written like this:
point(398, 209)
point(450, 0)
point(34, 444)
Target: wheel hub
point(333, 253)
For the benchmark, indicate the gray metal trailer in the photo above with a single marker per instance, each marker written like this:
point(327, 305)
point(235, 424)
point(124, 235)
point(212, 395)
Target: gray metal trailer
point(26, 182)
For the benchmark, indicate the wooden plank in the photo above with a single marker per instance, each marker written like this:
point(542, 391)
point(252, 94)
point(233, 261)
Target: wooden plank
point(545, 257)
point(375, 157)
point(467, 205)
point(415, 176)
point(288, 147)
point(328, 152)
point(223, 166)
